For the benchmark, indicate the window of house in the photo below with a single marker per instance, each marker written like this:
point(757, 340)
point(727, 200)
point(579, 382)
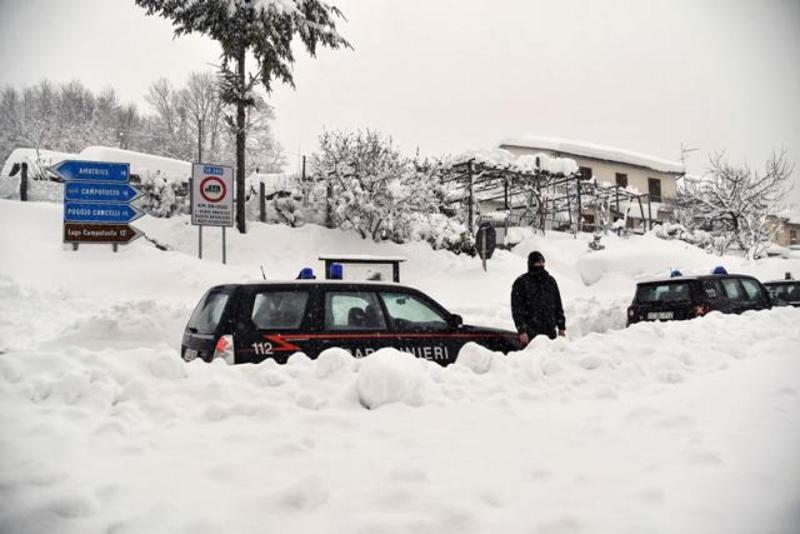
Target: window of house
point(585, 172)
point(622, 179)
point(654, 188)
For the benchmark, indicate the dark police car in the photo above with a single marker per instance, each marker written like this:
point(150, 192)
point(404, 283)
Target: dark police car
point(784, 292)
point(686, 297)
point(248, 323)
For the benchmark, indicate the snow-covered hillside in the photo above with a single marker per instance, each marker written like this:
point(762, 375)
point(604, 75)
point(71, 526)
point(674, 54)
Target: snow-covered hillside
point(673, 427)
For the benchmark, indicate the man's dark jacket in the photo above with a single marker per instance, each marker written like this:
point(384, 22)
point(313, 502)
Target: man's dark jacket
point(536, 304)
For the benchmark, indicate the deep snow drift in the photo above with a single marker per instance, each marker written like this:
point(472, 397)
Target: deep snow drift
point(674, 427)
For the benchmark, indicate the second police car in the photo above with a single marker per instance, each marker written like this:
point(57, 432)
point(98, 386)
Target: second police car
point(248, 323)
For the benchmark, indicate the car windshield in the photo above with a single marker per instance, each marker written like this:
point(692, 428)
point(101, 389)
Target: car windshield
point(785, 291)
point(663, 292)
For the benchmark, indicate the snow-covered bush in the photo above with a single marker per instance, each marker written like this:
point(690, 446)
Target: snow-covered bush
point(362, 182)
point(162, 197)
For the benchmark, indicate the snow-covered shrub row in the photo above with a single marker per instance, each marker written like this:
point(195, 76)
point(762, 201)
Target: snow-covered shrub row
point(362, 182)
point(668, 230)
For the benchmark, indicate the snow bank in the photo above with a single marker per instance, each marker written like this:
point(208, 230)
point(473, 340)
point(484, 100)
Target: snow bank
point(661, 427)
point(388, 376)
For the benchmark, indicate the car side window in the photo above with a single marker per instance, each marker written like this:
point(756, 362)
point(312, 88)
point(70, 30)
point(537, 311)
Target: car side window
point(407, 312)
point(353, 310)
point(279, 309)
point(732, 289)
point(752, 290)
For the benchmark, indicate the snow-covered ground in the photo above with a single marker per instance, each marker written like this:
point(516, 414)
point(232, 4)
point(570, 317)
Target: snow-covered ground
point(673, 427)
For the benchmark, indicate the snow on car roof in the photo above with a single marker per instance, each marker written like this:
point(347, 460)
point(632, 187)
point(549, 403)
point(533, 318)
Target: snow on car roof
point(594, 150)
point(361, 257)
point(317, 281)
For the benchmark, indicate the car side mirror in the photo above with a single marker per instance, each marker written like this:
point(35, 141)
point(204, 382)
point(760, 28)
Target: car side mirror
point(456, 320)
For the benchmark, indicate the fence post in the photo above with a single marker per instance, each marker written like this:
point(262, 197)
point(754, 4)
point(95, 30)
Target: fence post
point(23, 183)
point(262, 203)
point(579, 223)
point(471, 200)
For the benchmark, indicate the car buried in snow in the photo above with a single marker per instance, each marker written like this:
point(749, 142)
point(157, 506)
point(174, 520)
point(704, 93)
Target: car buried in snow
point(249, 323)
point(784, 292)
point(687, 297)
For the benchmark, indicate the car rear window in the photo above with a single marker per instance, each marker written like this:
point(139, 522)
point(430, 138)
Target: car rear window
point(206, 315)
point(663, 292)
point(279, 309)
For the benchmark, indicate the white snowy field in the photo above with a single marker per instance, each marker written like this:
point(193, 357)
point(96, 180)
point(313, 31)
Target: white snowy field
point(671, 427)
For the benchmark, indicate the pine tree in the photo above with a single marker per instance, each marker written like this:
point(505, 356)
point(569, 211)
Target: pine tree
point(264, 28)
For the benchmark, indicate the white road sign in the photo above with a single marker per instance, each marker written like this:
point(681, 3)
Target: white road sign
point(212, 195)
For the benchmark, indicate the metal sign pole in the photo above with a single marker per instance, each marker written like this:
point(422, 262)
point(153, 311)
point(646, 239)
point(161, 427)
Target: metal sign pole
point(200, 241)
point(224, 256)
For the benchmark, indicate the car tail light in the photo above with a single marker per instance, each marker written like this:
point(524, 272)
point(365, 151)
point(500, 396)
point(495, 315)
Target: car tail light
point(224, 349)
point(700, 310)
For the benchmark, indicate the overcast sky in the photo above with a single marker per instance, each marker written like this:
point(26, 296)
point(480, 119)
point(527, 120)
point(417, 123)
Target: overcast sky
point(446, 76)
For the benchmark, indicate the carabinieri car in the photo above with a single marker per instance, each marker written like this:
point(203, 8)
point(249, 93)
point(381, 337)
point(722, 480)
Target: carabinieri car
point(686, 297)
point(248, 323)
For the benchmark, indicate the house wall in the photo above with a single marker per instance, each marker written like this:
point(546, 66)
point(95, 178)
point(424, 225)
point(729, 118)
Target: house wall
point(605, 171)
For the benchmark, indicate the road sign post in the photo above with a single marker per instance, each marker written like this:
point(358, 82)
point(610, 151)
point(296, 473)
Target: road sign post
point(485, 242)
point(97, 200)
point(212, 200)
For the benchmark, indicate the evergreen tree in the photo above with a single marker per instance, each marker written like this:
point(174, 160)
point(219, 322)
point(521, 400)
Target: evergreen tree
point(265, 28)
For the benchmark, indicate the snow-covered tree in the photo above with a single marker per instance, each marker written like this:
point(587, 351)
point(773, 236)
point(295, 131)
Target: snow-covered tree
point(265, 28)
point(363, 182)
point(733, 202)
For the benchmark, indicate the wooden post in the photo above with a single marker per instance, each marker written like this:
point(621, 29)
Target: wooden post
point(262, 203)
point(304, 169)
point(649, 214)
point(470, 201)
point(23, 183)
point(641, 211)
point(569, 212)
point(579, 224)
point(616, 191)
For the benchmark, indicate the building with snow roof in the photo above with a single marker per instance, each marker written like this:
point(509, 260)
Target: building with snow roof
point(787, 228)
point(609, 165)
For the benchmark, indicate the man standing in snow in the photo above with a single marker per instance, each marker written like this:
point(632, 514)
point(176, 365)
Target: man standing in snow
point(536, 302)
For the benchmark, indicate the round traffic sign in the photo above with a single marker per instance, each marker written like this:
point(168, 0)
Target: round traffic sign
point(213, 189)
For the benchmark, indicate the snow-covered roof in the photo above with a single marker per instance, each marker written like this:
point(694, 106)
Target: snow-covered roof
point(31, 156)
point(144, 165)
point(500, 157)
point(595, 151)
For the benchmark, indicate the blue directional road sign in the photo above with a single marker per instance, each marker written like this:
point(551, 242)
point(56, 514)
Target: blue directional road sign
point(93, 171)
point(98, 192)
point(99, 212)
